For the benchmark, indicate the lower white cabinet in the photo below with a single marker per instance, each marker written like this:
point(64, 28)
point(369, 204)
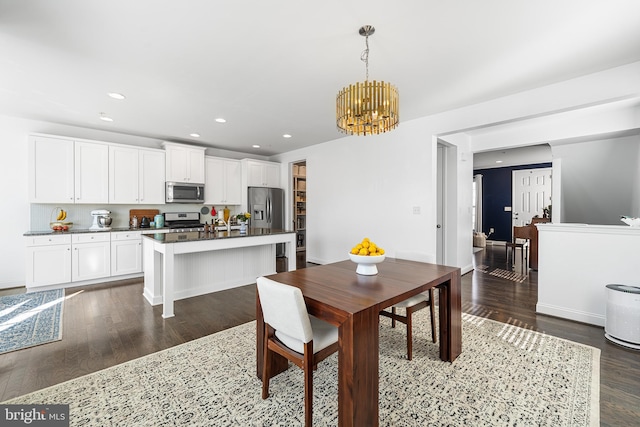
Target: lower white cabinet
point(48, 260)
point(65, 258)
point(126, 252)
point(90, 256)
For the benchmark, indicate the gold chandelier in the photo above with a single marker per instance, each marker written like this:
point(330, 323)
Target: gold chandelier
point(366, 108)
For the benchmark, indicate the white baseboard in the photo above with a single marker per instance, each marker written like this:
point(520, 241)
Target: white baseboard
point(466, 269)
point(567, 313)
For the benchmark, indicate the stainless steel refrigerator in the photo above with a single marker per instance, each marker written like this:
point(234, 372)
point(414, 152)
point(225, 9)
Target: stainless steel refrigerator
point(266, 206)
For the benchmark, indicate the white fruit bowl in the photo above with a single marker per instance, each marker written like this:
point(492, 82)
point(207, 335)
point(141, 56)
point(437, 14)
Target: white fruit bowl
point(366, 264)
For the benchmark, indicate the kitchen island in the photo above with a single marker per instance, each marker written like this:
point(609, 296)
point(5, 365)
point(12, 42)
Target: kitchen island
point(183, 265)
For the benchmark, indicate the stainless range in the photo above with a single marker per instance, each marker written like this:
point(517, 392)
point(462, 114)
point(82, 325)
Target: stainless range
point(182, 222)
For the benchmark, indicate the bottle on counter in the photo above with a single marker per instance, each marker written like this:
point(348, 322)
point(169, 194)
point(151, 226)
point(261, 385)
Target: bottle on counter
point(134, 222)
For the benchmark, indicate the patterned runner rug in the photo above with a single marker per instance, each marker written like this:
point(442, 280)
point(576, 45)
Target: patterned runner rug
point(30, 319)
point(505, 376)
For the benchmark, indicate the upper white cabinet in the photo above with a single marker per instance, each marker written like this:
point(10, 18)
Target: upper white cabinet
point(136, 175)
point(91, 172)
point(223, 181)
point(123, 175)
point(67, 171)
point(262, 174)
point(151, 176)
point(51, 170)
point(184, 163)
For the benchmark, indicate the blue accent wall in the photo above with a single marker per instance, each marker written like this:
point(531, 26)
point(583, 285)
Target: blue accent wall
point(496, 194)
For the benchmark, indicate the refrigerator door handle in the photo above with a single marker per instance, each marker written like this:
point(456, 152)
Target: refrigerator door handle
point(269, 210)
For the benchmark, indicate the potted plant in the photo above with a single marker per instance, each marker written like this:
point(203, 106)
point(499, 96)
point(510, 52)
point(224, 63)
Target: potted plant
point(242, 219)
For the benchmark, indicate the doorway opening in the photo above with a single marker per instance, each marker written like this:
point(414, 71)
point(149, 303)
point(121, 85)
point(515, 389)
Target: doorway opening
point(299, 186)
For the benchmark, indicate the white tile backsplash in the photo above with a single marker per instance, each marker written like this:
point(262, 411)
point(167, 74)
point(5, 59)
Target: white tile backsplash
point(80, 214)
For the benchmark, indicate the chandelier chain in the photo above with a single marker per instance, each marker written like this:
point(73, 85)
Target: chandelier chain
point(364, 57)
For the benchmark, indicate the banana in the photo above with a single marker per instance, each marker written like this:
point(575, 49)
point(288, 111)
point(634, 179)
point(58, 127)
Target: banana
point(64, 215)
point(60, 214)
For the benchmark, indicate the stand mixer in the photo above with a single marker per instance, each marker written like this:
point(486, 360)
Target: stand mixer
point(101, 220)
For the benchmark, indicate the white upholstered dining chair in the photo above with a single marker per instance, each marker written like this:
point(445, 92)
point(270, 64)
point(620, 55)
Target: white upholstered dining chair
point(413, 304)
point(292, 333)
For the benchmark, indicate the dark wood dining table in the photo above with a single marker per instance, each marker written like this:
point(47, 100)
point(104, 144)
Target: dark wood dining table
point(336, 294)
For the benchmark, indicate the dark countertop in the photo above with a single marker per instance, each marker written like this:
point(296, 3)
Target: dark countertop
point(86, 230)
point(195, 236)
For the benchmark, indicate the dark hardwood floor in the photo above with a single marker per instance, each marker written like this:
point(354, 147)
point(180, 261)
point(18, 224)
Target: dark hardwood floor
point(109, 324)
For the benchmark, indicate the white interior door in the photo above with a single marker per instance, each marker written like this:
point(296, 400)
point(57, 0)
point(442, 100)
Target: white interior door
point(531, 193)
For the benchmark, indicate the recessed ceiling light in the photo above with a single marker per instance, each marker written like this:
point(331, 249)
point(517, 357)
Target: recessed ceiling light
point(498, 161)
point(220, 120)
point(286, 135)
point(255, 146)
point(195, 135)
point(116, 95)
point(105, 118)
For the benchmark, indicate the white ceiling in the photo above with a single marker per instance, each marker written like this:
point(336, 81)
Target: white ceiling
point(274, 67)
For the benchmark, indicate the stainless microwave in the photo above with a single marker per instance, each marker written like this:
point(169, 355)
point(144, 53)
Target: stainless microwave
point(184, 192)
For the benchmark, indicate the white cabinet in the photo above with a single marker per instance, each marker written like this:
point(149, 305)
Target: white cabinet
point(184, 163)
point(151, 176)
point(51, 170)
point(48, 260)
point(126, 252)
point(223, 181)
point(91, 175)
point(90, 256)
point(66, 258)
point(123, 175)
point(136, 175)
point(67, 171)
point(262, 174)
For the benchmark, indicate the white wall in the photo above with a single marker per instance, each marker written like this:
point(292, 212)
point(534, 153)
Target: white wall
point(600, 180)
point(578, 261)
point(14, 207)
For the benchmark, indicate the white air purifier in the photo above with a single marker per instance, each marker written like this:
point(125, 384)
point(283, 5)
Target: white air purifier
point(622, 320)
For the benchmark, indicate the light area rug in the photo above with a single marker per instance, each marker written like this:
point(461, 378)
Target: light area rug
point(505, 376)
point(30, 319)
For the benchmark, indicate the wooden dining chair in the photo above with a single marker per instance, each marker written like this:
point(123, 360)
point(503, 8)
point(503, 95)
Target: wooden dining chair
point(520, 240)
point(292, 333)
point(413, 304)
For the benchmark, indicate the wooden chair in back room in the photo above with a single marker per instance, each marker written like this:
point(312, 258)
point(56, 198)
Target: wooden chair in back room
point(520, 240)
